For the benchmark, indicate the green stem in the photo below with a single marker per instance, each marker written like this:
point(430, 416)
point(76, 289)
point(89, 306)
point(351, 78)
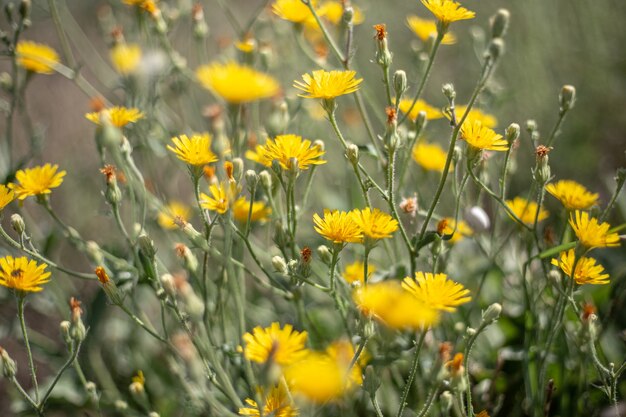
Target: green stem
point(429, 401)
point(412, 373)
point(24, 394)
point(31, 365)
point(66, 365)
point(142, 324)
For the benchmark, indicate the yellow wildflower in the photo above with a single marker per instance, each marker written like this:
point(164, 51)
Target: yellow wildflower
point(432, 113)
point(125, 58)
point(36, 57)
point(276, 403)
point(572, 195)
point(338, 227)
point(219, 200)
point(174, 213)
point(436, 291)
point(293, 10)
point(118, 116)
point(333, 12)
point(356, 272)
point(37, 180)
point(447, 11)
point(282, 346)
point(285, 147)
point(22, 274)
point(260, 210)
point(194, 150)
point(374, 224)
point(430, 156)
point(327, 84)
point(587, 271)
point(488, 120)
point(481, 137)
point(590, 232)
point(237, 83)
point(6, 196)
point(425, 28)
point(147, 5)
point(526, 210)
point(446, 227)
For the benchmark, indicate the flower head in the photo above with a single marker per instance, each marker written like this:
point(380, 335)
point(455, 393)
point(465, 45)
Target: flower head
point(432, 113)
point(125, 58)
point(237, 83)
point(488, 120)
point(425, 28)
point(447, 11)
point(173, 214)
point(194, 150)
point(282, 346)
point(219, 201)
point(526, 210)
point(338, 227)
point(6, 196)
point(260, 210)
point(36, 57)
point(436, 291)
point(22, 274)
point(481, 137)
point(572, 195)
point(327, 84)
point(285, 147)
point(430, 156)
point(118, 116)
point(333, 12)
point(587, 271)
point(293, 10)
point(355, 272)
point(590, 232)
point(374, 224)
point(446, 226)
point(37, 180)
point(276, 403)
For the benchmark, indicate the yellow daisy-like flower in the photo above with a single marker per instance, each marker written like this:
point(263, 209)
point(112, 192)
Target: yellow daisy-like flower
point(436, 291)
point(448, 11)
point(126, 58)
point(572, 195)
point(526, 210)
point(430, 156)
point(194, 150)
point(587, 271)
point(432, 113)
point(374, 224)
point(481, 137)
point(425, 28)
point(219, 201)
point(590, 232)
point(260, 210)
point(172, 214)
point(37, 180)
point(276, 403)
point(22, 274)
point(237, 83)
point(293, 10)
point(488, 120)
point(333, 12)
point(327, 84)
point(338, 227)
point(117, 116)
point(396, 308)
point(285, 147)
point(147, 5)
point(6, 196)
point(446, 227)
point(355, 272)
point(282, 346)
point(36, 57)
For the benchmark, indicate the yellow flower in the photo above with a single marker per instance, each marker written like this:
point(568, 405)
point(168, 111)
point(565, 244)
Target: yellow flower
point(432, 113)
point(195, 150)
point(430, 156)
point(388, 303)
point(219, 200)
point(22, 274)
point(447, 11)
point(36, 57)
point(282, 346)
point(481, 137)
point(338, 227)
point(260, 210)
point(356, 272)
point(374, 224)
point(328, 84)
point(6, 196)
point(572, 195)
point(293, 10)
point(285, 147)
point(118, 116)
point(277, 403)
point(590, 232)
point(173, 213)
point(333, 12)
point(436, 291)
point(147, 5)
point(446, 227)
point(125, 58)
point(587, 272)
point(526, 210)
point(36, 181)
point(237, 83)
point(425, 28)
point(488, 120)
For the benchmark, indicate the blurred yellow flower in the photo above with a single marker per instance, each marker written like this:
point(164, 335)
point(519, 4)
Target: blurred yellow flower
point(446, 227)
point(432, 113)
point(447, 11)
point(587, 271)
point(125, 57)
point(293, 10)
point(237, 83)
point(6, 196)
point(430, 156)
point(572, 195)
point(327, 84)
point(481, 137)
point(526, 210)
point(281, 346)
point(194, 150)
point(374, 224)
point(37, 180)
point(118, 116)
point(425, 28)
point(219, 200)
point(147, 5)
point(36, 57)
point(260, 210)
point(22, 274)
point(276, 403)
point(488, 120)
point(338, 227)
point(356, 272)
point(333, 12)
point(174, 213)
point(590, 232)
point(285, 147)
point(436, 291)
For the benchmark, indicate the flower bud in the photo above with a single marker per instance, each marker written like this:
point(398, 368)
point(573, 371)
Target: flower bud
point(65, 331)
point(555, 278)
point(324, 254)
point(294, 167)
point(17, 223)
point(237, 169)
point(167, 281)
point(492, 313)
point(420, 121)
point(153, 414)
point(196, 237)
point(567, 98)
point(541, 172)
point(372, 381)
point(9, 368)
point(94, 253)
point(446, 400)
point(77, 327)
point(319, 144)
point(477, 219)
point(399, 83)
point(512, 133)
point(352, 153)
point(470, 331)
point(500, 23)
point(266, 180)
point(279, 264)
point(348, 14)
point(6, 82)
point(146, 245)
point(108, 286)
point(495, 49)
point(252, 179)
point(121, 405)
point(449, 91)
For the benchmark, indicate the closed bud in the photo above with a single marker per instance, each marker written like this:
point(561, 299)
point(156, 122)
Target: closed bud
point(348, 14)
point(495, 49)
point(477, 219)
point(279, 264)
point(91, 388)
point(121, 405)
point(167, 281)
point(492, 313)
point(276, 167)
point(531, 125)
point(146, 245)
point(324, 254)
point(352, 153)
point(554, 277)
point(64, 327)
point(541, 172)
point(470, 331)
point(449, 91)
point(153, 414)
point(319, 144)
point(294, 167)
point(252, 179)
point(500, 23)
point(567, 98)
point(9, 368)
point(190, 260)
point(420, 121)
point(266, 180)
point(196, 237)
point(446, 400)
point(17, 223)
point(512, 133)
point(399, 83)
point(237, 169)
point(6, 82)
